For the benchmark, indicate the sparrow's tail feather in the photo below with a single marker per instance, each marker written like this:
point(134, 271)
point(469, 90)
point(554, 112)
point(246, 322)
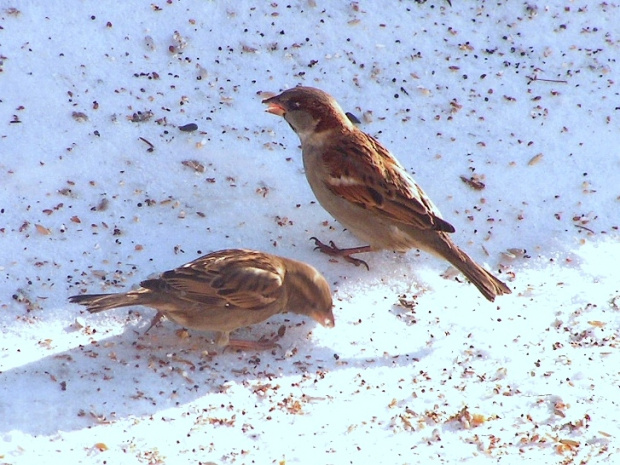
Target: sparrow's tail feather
point(487, 284)
point(99, 302)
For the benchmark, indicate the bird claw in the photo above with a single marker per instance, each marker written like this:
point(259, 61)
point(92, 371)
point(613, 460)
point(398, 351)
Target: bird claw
point(156, 319)
point(335, 251)
point(356, 261)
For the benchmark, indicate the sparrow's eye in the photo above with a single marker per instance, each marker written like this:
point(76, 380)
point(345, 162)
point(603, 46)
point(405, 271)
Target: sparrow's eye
point(296, 104)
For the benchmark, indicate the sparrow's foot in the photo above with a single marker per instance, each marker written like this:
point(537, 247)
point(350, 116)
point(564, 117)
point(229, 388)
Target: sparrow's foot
point(262, 344)
point(345, 254)
point(242, 344)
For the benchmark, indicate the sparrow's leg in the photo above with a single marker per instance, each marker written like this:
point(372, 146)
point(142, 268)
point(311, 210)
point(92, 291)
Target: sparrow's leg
point(262, 344)
point(242, 344)
point(334, 251)
point(156, 319)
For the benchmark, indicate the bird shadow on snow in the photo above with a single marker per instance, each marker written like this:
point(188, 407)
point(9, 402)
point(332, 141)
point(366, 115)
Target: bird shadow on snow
point(134, 375)
point(105, 379)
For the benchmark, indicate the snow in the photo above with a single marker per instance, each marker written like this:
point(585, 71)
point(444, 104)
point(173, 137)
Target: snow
point(419, 368)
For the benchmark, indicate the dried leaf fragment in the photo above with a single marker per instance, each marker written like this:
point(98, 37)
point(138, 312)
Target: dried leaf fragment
point(569, 442)
point(79, 116)
point(195, 165)
point(101, 206)
point(514, 252)
point(141, 116)
point(182, 333)
point(535, 159)
point(43, 230)
point(467, 419)
point(474, 182)
point(566, 445)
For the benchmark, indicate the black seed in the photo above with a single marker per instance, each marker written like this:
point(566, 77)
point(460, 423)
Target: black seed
point(188, 127)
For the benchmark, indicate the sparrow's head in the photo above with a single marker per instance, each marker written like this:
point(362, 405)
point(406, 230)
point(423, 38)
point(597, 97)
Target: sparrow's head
point(308, 110)
point(308, 293)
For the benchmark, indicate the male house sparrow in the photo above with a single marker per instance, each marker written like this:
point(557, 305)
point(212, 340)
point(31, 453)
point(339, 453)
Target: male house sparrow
point(227, 290)
point(362, 185)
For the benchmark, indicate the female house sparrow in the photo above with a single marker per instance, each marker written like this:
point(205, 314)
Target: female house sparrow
point(227, 290)
point(362, 185)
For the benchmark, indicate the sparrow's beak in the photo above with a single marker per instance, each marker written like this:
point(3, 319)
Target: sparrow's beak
point(274, 107)
point(324, 320)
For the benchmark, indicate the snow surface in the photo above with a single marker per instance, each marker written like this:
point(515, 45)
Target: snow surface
point(419, 368)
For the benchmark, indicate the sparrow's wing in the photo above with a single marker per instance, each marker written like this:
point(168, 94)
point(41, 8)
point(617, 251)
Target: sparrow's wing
point(362, 171)
point(237, 278)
